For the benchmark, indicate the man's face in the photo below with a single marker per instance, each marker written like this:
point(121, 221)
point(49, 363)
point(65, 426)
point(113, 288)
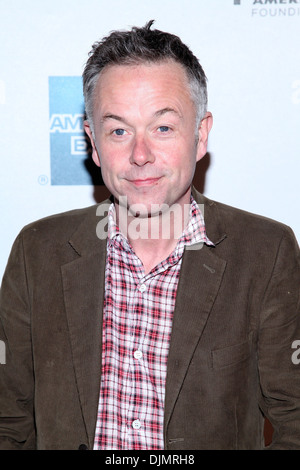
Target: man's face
point(145, 136)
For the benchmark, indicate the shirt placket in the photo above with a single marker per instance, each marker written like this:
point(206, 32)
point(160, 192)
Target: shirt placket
point(132, 429)
point(141, 403)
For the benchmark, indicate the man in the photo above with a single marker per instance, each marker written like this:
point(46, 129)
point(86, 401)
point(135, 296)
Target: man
point(150, 327)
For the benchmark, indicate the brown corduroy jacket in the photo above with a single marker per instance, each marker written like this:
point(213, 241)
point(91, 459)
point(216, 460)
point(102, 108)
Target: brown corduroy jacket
point(235, 324)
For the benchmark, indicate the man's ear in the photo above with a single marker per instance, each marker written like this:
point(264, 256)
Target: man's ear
point(89, 132)
point(203, 132)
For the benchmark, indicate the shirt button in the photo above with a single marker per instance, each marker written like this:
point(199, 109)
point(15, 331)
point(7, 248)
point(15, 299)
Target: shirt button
point(136, 424)
point(143, 287)
point(138, 354)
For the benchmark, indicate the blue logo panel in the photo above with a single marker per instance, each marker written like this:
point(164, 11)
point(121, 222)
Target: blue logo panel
point(68, 142)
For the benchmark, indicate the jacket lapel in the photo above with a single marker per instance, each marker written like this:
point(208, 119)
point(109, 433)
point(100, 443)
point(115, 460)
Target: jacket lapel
point(83, 288)
point(200, 279)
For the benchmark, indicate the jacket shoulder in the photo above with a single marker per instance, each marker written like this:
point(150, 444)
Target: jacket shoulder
point(240, 223)
point(66, 222)
point(60, 235)
point(241, 219)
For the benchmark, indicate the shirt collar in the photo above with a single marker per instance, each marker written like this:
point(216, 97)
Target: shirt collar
point(195, 231)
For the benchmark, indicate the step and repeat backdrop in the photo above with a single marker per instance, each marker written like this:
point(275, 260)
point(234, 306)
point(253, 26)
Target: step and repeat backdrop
point(249, 50)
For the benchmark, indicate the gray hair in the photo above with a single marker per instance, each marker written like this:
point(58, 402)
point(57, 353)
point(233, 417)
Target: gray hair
point(140, 45)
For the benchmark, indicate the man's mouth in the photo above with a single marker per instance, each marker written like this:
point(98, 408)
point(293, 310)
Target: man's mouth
point(144, 181)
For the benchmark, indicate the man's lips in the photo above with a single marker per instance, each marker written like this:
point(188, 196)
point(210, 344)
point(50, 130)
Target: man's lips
point(144, 181)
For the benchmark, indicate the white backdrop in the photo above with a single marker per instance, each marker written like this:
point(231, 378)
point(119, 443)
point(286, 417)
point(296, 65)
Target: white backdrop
point(249, 50)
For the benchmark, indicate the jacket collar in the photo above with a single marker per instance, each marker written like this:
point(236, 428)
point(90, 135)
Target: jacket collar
point(214, 225)
point(90, 236)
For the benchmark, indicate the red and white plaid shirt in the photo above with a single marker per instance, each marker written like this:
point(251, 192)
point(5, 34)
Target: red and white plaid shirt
point(137, 324)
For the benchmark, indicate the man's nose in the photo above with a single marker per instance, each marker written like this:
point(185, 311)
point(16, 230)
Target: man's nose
point(141, 152)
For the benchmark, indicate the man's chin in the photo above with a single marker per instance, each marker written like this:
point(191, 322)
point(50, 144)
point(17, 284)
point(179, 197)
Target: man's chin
point(145, 211)
point(140, 209)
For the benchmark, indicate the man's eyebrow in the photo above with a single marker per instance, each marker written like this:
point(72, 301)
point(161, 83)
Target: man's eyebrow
point(158, 113)
point(163, 111)
point(112, 116)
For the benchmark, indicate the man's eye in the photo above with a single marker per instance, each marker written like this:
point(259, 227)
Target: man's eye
point(119, 132)
point(163, 128)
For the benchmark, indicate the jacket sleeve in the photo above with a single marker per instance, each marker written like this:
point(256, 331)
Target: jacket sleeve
point(17, 428)
point(278, 334)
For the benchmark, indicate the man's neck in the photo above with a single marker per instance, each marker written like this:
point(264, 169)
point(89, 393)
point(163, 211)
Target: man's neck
point(154, 238)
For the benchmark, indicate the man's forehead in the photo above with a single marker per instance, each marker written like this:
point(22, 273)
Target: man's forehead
point(123, 68)
point(124, 88)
